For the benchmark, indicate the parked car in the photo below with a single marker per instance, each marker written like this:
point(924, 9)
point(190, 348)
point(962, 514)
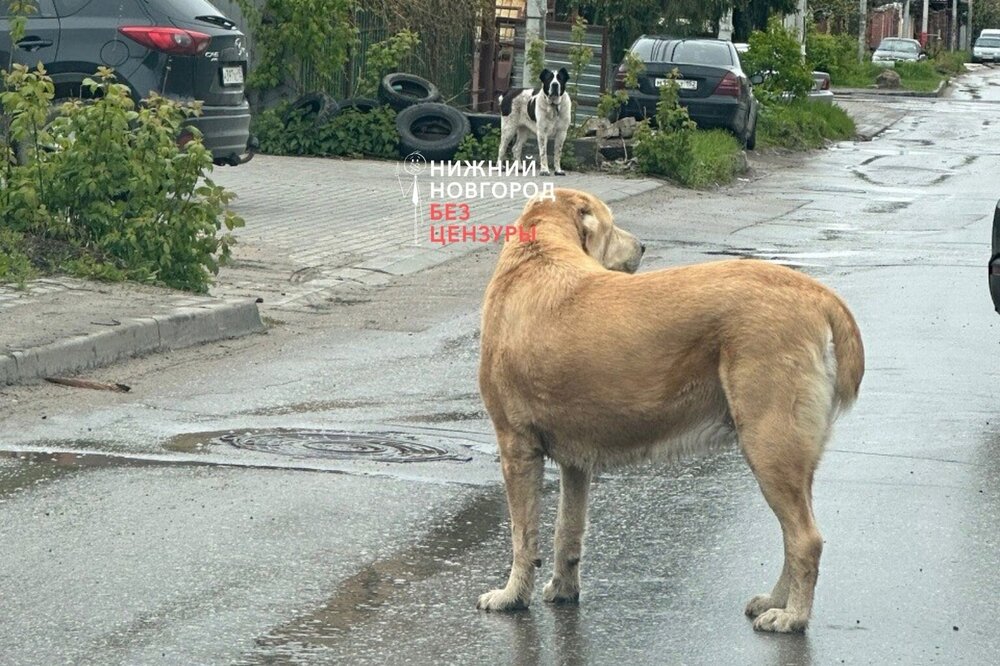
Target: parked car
point(897, 49)
point(986, 49)
point(994, 265)
point(713, 87)
point(182, 49)
point(821, 80)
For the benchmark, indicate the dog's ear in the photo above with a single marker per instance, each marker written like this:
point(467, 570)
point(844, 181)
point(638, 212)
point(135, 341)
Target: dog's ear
point(545, 76)
point(584, 214)
point(562, 77)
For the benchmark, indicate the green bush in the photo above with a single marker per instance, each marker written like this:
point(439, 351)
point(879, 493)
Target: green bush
point(106, 183)
point(802, 124)
point(776, 54)
point(472, 149)
point(837, 55)
point(950, 62)
point(349, 133)
point(677, 150)
point(14, 263)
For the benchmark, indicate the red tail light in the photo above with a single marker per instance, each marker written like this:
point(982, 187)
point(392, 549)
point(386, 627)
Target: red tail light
point(729, 85)
point(620, 77)
point(825, 85)
point(168, 40)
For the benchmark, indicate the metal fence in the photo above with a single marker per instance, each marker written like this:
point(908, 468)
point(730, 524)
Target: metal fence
point(442, 59)
point(558, 42)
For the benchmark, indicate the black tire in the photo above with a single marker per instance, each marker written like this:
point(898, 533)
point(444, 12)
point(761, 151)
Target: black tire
point(360, 104)
point(481, 123)
point(317, 106)
point(400, 90)
point(433, 130)
point(751, 141)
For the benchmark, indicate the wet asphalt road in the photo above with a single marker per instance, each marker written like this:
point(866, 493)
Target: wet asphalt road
point(159, 546)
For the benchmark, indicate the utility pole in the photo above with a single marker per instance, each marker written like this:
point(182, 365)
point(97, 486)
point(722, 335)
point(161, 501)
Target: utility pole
point(923, 24)
point(969, 39)
point(953, 36)
point(534, 28)
point(907, 27)
point(863, 30)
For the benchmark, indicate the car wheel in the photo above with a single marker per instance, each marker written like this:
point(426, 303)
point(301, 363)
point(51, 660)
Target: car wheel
point(316, 106)
point(359, 104)
point(400, 90)
point(481, 123)
point(433, 130)
point(751, 141)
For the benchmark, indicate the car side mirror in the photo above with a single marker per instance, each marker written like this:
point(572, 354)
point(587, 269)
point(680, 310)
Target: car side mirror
point(757, 79)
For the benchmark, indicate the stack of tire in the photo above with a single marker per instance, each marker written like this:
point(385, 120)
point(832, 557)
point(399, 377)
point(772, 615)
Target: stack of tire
point(425, 125)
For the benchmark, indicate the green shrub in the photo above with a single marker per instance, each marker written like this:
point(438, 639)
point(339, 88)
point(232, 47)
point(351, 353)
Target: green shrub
point(472, 149)
point(610, 103)
point(107, 184)
point(14, 263)
point(950, 62)
point(836, 55)
point(677, 150)
point(802, 124)
point(384, 57)
point(776, 54)
point(349, 133)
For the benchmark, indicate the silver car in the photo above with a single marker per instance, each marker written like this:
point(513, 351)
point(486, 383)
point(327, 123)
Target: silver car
point(986, 49)
point(897, 49)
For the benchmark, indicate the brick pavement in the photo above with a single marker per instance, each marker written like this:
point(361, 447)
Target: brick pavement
point(318, 229)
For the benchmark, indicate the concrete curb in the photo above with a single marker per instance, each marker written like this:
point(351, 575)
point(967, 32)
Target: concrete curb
point(183, 327)
point(882, 92)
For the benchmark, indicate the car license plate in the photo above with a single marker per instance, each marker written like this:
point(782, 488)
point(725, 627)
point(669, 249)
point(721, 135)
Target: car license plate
point(683, 84)
point(232, 76)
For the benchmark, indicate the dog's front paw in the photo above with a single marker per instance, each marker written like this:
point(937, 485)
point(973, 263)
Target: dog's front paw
point(780, 621)
point(561, 591)
point(501, 600)
point(761, 603)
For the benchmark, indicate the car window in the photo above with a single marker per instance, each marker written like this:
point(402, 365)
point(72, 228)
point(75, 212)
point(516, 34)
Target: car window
point(900, 46)
point(992, 42)
point(643, 49)
point(689, 52)
point(702, 53)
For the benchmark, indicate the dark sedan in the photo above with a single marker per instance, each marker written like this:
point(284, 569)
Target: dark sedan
point(995, 260)
point(182, 49)
point(713, 86)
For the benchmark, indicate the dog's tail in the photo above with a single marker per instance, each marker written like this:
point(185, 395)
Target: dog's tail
point(849, 351)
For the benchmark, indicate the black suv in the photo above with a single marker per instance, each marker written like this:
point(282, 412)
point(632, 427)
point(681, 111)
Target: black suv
point(182, 49)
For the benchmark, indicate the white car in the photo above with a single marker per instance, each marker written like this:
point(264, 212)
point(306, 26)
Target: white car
point(896, 49)
point(986, 48)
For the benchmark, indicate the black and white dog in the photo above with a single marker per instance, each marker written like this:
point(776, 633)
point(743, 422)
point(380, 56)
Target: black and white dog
point(545, 113)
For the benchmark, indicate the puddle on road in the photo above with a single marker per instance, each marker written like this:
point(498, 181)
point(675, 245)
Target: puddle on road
point(365, 598)
point(340, 445)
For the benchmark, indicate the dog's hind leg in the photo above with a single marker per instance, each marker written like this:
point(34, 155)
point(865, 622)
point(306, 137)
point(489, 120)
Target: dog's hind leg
point(571, 524)
point(522, 462)
point(783, 423)
point(506, 135)
point(522, 137)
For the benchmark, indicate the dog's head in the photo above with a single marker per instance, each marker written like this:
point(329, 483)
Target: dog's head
point(613, 247)
point(554, 85)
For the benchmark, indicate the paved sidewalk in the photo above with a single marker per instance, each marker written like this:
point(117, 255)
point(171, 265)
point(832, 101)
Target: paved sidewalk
point(319, 229)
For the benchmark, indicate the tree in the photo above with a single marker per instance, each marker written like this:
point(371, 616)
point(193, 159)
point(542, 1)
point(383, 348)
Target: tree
point(627, 19)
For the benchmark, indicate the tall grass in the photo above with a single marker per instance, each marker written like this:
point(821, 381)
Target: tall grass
point(802, 124)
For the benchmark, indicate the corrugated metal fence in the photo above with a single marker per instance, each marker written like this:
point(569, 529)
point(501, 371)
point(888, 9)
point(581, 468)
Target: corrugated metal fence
point(558, 41)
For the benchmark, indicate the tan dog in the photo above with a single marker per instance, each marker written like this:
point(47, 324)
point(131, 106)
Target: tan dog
point(595, 367)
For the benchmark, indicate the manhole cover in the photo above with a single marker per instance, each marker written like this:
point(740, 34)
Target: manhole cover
point(339, 445)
